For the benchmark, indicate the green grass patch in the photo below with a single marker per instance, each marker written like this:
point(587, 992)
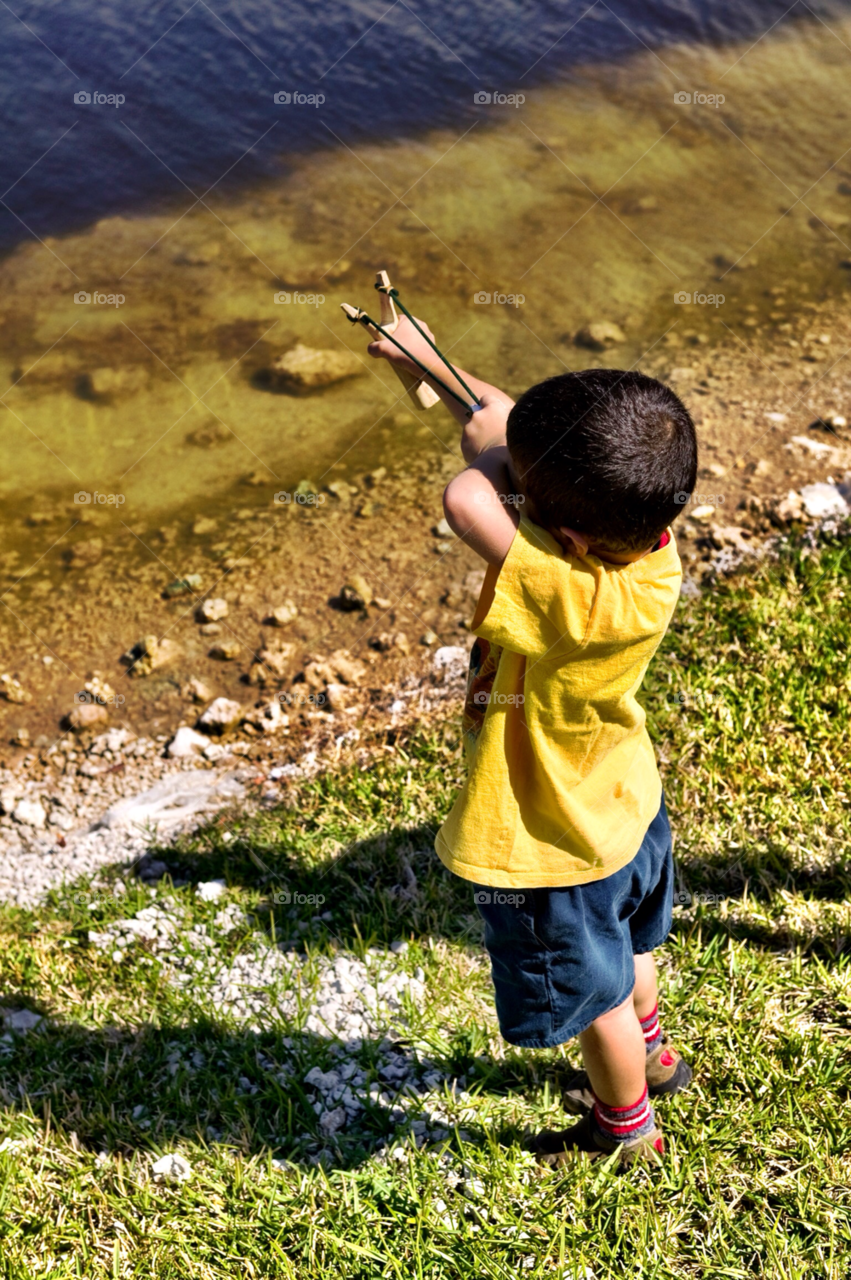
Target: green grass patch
point(748, 703)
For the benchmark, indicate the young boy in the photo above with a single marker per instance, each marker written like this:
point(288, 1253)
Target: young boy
point(561, 825)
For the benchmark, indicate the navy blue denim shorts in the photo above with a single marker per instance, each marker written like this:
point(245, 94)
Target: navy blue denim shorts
point(562, 957)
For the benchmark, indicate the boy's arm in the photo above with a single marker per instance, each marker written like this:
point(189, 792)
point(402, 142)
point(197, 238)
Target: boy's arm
point(481, 430)
point(480, 503)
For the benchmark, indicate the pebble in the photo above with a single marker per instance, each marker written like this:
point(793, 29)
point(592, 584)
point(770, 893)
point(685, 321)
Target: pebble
point(308, 369)
point(211, 890)
point(221, 715)
point(172, 1168)
point(600, 335)
point(282, 615)
point(186, 742)
point(823, 500)
point(30, 813)
point(212, 610)
point(226, 650)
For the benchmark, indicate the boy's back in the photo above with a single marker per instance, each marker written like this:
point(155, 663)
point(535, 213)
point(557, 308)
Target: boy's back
point(563, 781)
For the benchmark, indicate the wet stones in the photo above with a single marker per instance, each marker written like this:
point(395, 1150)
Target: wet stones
point(12, 690)
point(149, 654)
point(221, 715)
point(305, 369)
point(87, 716)
point(212, 610)
point(225, 650)
point(600, 335)
point(270, 664)
point(85, 554)
point(282, 615)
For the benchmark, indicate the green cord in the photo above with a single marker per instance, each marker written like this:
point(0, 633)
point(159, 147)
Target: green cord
point(471, 408)
point(394, 294)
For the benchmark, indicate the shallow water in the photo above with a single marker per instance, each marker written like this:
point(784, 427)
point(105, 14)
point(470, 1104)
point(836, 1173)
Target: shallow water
point(601, 198)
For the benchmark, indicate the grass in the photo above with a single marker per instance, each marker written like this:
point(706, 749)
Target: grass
point(748, 704)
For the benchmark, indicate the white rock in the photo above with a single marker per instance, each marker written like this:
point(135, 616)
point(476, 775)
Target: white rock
point(174, 800)
point(702, 513)
point(172, 1168)
point(398, 948)
point(820, 500)
point(186, 742)
point(331, 1121)
point(210, 890)
point(221, 715)
point(21, 1019)
point(268, 718)
point(212, 610)
point(29, 813)
point(9, 797)
point(817, 447)
point(451, 659)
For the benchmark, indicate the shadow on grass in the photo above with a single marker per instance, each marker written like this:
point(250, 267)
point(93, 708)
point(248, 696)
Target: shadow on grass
point(148, 1088)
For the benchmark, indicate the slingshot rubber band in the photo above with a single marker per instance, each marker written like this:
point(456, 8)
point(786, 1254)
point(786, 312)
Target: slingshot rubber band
point(394, 294)
point(363, 318)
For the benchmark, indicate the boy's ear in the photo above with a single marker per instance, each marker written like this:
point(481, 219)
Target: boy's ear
point(572, 541)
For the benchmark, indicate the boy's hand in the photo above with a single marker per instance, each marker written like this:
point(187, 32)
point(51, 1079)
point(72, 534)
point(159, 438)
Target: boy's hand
point(384, 349)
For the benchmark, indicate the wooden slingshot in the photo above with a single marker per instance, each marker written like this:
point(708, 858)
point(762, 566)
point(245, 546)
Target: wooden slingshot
point(422, 395)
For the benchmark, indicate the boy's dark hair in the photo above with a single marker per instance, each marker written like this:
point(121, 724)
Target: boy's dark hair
point(608, 453)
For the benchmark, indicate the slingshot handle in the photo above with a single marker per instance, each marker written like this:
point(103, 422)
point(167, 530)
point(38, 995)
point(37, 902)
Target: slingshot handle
point(422, 395)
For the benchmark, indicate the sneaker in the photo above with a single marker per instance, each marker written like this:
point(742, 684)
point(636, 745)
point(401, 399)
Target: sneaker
point(665, 1072)
point(555, 1148)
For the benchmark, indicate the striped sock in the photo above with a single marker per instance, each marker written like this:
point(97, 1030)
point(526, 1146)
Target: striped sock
point(622, 1124)
point(652, 1030)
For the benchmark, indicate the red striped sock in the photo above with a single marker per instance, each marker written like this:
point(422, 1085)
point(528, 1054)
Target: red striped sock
point(622, 1124)
point(652, 1030)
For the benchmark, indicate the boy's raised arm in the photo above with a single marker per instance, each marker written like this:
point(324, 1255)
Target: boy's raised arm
point(480, 503)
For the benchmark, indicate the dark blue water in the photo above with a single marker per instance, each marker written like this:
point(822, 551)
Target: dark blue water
point(198, 81)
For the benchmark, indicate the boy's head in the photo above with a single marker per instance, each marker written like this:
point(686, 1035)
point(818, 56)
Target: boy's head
point(606, 452)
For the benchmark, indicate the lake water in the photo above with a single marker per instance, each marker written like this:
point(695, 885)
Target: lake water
point(660, 151)
point(198, 82)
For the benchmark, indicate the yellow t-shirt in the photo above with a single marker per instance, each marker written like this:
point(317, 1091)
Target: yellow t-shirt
point(562, 783)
